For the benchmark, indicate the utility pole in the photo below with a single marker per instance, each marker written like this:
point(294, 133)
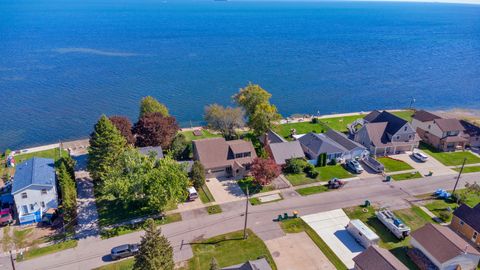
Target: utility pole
point(458, 177)
point(246, 217)
point(411, 102)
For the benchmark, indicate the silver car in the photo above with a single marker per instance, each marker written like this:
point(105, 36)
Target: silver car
point(124, 251)
point(355, 166)
point(420, 156)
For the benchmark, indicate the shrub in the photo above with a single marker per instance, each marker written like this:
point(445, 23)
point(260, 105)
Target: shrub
point(445, 215)
point(315, 120)
point(310, 171)
point(295, 165)
point(333, 162)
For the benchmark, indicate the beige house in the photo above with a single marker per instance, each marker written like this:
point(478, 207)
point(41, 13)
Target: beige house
point(223, 158)
point(466, 222)
point(441, 133)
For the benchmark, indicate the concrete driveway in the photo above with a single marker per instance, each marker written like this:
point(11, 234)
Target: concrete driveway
point(330, 226)
point(225, 190)
point(297, 251)
point(424, 167)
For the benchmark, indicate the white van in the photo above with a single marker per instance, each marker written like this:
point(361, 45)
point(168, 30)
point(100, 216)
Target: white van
point(192, 193)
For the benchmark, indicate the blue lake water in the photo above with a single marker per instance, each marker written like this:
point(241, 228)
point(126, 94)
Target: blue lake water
point(63, 63)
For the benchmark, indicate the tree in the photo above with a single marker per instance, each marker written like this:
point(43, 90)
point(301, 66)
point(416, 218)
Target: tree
point(124, 125)
point(295, 165)
point(150, 105)
point(214, 264)
point(250, 97)
point(154, 129)
point(106, 145)
point(180, 149)
point(225, 120)
point(69, 195)
point(264, 170)
point(155, 252)
point(263, 118)
point(197, 174)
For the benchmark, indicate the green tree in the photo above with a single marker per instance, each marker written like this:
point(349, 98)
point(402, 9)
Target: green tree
point(69, 195)
point(225, 120)
point(197, 174)
point(106, 145)
point(155, 252)
point(214, 264)
point(150, 105)
point(263, 118)
point(179, 148)
point(250, 97)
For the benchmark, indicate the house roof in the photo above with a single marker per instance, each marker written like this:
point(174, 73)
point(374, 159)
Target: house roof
point(371, 116)
point(394, 123)
point(470, 216)
point(271, 137)
point(282, 152)
point(34, 171)
point(374, 258)
point(424, 116)
point(259, 264)
point(449, 124)
point(376, 133)
point(240, 146)
point(214, 152)
point(319, 143)
point(156, 149)
point(470, 129)
point(442, 243)
point(342, 140)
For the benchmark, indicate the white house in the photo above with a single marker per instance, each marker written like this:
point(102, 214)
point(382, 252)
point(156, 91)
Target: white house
point(34, 189)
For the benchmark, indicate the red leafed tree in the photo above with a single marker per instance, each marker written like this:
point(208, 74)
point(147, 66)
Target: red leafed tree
point(124, 125)
point(154, 129)
point(265, 170)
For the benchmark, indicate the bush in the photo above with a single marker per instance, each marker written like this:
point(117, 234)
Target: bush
point(333, 162)
point(315, 120)
point(197, 174)
point(310, 171)
point(295, 165)
point(445, 215)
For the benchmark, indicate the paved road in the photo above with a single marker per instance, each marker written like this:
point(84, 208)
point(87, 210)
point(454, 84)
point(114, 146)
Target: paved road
point(93, 253)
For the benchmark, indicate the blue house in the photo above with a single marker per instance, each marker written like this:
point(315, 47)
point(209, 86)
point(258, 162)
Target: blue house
point(35, 189)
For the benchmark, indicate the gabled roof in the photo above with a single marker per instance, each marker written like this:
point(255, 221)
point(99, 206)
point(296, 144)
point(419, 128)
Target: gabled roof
point(155, 149)
point(376, 133)
point(34, 171)
point(319, 143)
point(470, 129)
point(342, 140)
point(375, 258)
point(271, 137)
point(371, 116)
point(240, 146)
point(287, 150)
point(449, 124)
point(470, 216)
point(442, 243)
point(214, 152)
point(424, 116)
point(394, 123)
point(259, 264)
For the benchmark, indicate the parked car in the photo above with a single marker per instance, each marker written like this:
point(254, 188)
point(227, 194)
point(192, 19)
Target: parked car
point(335, 183)
point(354, 166)
point(192, 193)
point(124, 251)
point(6, 217)
point(420, 156)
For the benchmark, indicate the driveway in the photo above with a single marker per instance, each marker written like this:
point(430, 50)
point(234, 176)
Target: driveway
point(225, 190)
point(297, 251)
point(330, 226)
point(424, 167)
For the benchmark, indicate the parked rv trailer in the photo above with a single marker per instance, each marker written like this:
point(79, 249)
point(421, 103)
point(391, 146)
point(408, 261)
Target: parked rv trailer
point(364, 235)
point(394, 224)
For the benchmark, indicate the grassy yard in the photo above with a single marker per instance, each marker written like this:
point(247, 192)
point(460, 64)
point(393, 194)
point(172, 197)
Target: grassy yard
point(387, 239)
point(51, 153)
point(256, 201)
point(126, 264)
point(37, 252)
point(414, 217)
point(111, 212)
point(469, 169)
point(229, 249)
point(406, 176)
point(253, 187)
point(340, 123)
point(126, 229)
point(297, 225)
point(301, 128)
point(205, 195)
point(311, 190)
point(205, 134)
point(406, 115)
point(325, 173)
point(450, 158)
point(440, 206)
point(394, 165)
point(214, 209)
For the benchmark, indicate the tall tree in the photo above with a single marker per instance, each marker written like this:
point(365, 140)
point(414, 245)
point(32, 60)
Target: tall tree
point(155, 252)
point(197, 174)
point(124, 125)
point(69, 195)
point(265, 170)
point(154, 129)
point(225, 120)
point(180, 149)
point(106, 145)
point(250, 97)
point(263, 118)
point(151, 105)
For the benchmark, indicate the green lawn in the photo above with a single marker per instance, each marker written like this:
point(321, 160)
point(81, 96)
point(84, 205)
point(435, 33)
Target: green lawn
point(298, 225)
point(126, 229)
point(394, 165)
point(37, 252)
point(340, 123)
point(205, 134)
point(126, 264)
point(311, 190)
point(229, 249)
point(438, 206)
point(51, 153)
point(205, 195)
point(325, 173)
point(387, 239)
point(450, 158)
point(214, 209)
point(301, 128)
point(406, 115)
point(256, 201)
point(469, 169)
point(412, 217)
point(253, 187)
point(406, 176)
point(471, 199)
point(111, 212)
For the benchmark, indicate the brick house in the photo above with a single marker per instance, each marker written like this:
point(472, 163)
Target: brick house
point(466, 222)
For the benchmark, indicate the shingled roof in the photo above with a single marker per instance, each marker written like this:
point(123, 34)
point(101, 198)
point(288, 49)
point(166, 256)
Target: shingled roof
point(319, 143)
point(424, 116)
point(342, 139)
point(394, 123)
point(287, 150)
point(34, 171)
point(449, 124)
point(374, 258)
point(470, 129)
point(470, 216)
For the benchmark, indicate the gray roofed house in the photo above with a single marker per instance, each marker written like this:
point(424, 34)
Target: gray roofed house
point(371, 116)
point(353, 149)
point(425, 116)
point(152, 149)
point(281, 152)
point(444, 248)
point(473, 131)
point(315, 144)
point(376, 258)
point(271, 137)
point(259, 264)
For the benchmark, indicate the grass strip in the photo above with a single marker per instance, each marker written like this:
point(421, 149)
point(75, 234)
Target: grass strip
point(42, 251)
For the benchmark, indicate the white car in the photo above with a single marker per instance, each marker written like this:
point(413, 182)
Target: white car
point(420, 156)
point(355, 166)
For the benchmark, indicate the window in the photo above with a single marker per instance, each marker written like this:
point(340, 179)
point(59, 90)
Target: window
point(405, 129)
point(44, 191)
point(474, 237)
point(238, 155)
point(31, 207)
point(461, 223)
point(398, 137)
point(42, 204)
point(25, 209)
point(24, 195)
